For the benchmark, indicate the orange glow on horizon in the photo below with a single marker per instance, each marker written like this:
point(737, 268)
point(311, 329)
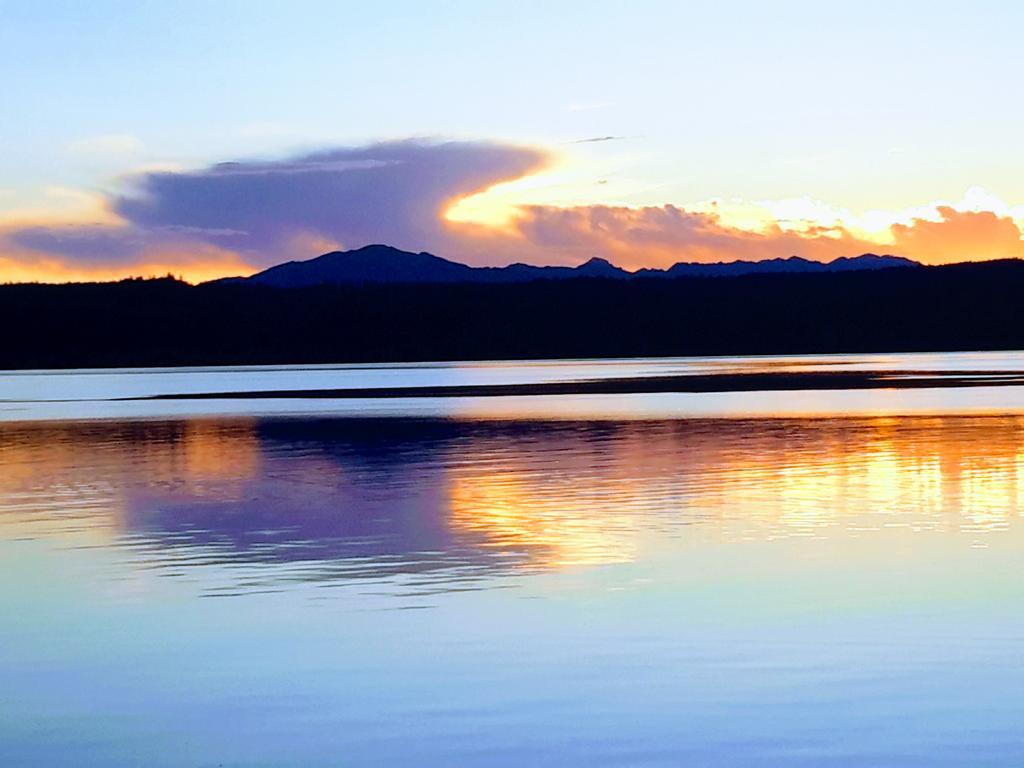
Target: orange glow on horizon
point(551, 216)
point(47, 270)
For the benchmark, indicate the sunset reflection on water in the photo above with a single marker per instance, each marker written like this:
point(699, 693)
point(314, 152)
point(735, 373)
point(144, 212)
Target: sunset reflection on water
point(541, 495)
point(458, 588)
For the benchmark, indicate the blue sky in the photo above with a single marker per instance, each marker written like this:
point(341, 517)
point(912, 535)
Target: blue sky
point(854, 107)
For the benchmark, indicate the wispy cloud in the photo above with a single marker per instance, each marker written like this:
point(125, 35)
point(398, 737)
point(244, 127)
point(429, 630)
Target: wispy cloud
point(116, 144)
point(597, 139)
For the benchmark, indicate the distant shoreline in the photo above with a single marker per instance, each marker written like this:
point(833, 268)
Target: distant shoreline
point(693, 383)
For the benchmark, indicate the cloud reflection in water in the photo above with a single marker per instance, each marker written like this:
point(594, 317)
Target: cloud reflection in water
point(448, 504)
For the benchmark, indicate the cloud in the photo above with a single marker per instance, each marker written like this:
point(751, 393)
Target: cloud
point(100, 243)
point(266, 211)
point(664, 235)
point(241, 216)
point(597, 139)
point(960, 236)
point(659, 236)
point(108, 144)
point(392, 192)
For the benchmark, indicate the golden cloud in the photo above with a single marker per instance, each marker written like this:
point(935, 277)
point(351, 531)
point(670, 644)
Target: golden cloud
point(959, 236)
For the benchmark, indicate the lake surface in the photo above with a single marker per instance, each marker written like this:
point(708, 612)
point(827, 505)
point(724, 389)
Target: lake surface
point(782, 578)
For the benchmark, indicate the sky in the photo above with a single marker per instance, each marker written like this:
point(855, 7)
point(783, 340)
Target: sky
point(215, 138)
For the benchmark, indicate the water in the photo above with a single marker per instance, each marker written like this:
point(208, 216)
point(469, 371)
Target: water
point(490, 585)
point(125, 394)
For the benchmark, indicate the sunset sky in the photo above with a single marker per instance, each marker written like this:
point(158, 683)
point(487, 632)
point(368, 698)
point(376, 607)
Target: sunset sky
point(215, 138)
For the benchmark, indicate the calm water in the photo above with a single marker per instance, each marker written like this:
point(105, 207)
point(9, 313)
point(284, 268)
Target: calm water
point(511, 581)
point(121, 393)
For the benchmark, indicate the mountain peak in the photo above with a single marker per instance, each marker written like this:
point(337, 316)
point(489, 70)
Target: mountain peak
point(870, 261)
point(374, 263)
point(597, 267)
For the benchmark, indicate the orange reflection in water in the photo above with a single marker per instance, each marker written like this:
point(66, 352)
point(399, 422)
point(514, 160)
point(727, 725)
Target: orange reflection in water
point(55, 474)
point(511, 512)
point(555, 495)
point(923, 473)
point(598, 495)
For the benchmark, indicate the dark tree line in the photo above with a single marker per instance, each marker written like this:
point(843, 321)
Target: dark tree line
point(165, 322)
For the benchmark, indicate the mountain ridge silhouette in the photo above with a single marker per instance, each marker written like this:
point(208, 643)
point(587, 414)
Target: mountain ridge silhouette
point(380, 263)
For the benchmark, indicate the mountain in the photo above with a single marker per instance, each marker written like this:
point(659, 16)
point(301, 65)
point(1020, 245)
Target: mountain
point(794, 264)
point(384, 264)
point(372, 264)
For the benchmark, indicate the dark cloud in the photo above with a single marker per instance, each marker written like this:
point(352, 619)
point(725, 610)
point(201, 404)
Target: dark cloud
point(92, 243)
point(392, 192)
